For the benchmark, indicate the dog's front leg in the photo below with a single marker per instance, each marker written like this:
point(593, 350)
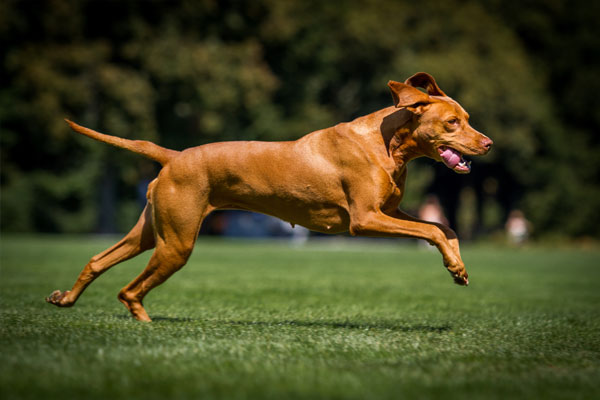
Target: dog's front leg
point(399, 224)
point(452, 259)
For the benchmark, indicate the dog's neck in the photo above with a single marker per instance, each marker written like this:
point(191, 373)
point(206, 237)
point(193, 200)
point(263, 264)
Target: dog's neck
point(396, 127)
point(389, 133)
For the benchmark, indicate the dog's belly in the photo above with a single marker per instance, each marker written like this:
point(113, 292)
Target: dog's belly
point(305, 209)
point(325, 219)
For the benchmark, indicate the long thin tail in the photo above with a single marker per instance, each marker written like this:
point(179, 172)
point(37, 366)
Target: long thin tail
point(143, 147)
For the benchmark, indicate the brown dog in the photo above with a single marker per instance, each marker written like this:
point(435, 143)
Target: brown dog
point(349, 177)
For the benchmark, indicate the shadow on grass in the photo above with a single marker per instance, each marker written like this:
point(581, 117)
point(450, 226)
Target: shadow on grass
point(391, 326)
point(158, 318)
point(347, 325)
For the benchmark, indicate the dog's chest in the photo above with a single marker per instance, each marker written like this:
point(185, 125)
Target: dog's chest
point(396, 191)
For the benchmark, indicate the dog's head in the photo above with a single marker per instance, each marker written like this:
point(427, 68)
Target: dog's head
point(442, 131)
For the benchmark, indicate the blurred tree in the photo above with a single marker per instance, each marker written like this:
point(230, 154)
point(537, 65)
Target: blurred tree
point(49, 176)
point(187, 72)
point(562, 39)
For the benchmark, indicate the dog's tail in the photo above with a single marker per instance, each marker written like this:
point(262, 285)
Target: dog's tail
point(143, 147)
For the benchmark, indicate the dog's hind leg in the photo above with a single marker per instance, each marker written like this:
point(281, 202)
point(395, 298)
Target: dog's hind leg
point(176, 228)
point(138, 240)
point(165, 261)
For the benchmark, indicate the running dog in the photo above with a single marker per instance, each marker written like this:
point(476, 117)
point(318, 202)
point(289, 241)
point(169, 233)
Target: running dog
point(346, 178)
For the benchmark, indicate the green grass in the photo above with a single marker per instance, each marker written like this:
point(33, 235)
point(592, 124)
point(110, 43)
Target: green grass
point(265, 320)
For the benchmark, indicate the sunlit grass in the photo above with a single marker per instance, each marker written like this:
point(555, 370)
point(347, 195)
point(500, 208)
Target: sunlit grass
point(352, 320)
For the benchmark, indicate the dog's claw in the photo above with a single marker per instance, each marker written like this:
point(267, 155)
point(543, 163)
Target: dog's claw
point(460, 280)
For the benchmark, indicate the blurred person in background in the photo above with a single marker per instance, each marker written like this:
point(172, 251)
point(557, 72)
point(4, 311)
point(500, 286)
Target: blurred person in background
point(432, 211)
point(517, 227)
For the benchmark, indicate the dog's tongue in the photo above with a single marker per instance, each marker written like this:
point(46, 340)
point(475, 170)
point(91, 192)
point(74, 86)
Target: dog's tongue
point(450, 157)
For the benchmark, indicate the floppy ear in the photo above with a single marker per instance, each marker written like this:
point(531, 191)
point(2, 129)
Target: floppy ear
point(425, 81)
point(407, 96)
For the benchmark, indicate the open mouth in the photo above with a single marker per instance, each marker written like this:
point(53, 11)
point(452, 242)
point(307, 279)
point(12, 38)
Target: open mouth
point(454, 160)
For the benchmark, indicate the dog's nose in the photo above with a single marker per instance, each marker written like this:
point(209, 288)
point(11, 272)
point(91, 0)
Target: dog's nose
point(487, 143)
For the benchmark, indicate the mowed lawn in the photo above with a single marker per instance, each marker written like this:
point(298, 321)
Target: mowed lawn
point(268, 320)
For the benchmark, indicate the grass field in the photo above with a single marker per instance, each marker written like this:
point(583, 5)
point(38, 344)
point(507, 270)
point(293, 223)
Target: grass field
point(266, 320)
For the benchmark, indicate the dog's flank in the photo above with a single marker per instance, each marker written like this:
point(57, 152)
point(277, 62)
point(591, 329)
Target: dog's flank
point(350, 177)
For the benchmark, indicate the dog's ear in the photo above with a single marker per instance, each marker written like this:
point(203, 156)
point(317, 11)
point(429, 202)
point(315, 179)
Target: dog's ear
point(425, 81)
point(409, 97)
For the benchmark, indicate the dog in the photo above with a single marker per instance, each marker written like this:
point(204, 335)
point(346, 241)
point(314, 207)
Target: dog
point(347, 178)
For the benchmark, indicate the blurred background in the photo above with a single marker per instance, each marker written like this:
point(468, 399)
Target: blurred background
point(184, 73)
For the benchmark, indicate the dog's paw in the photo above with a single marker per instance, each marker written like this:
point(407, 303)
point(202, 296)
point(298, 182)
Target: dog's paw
point(59, 299)
point(458, 272)
point(462, 280)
